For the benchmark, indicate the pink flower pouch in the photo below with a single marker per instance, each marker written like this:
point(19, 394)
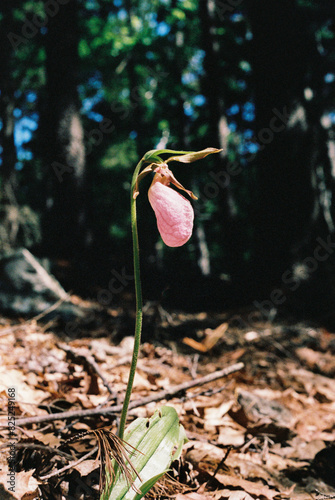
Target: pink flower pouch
point(174, 214)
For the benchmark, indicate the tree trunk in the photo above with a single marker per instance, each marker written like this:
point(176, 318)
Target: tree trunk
point(63, 136)
point(220, 185)
point(286, 211)
point(7, 104)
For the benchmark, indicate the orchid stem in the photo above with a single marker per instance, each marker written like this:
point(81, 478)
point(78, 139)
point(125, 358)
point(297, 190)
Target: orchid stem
point(138, 293)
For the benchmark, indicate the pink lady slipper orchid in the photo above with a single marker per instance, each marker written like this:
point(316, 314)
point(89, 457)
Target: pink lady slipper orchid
point(174, 213)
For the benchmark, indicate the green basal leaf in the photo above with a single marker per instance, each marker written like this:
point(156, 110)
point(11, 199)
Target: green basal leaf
point(158, 441)
point(145, 488)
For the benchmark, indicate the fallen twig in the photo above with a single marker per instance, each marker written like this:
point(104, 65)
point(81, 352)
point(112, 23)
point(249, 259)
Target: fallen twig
point(115, 410)
point(41, 447)
point(69, 466)
point(323, 496)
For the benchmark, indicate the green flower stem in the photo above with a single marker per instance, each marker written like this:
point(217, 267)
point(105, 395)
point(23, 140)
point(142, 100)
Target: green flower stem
point(138, 293)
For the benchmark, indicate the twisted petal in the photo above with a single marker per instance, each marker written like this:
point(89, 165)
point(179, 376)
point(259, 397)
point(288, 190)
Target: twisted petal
point(174, 214)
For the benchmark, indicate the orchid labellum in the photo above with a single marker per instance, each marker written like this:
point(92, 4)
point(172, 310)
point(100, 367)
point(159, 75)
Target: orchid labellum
point(174, 213)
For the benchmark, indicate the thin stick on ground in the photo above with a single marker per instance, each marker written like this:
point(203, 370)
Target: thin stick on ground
point(115, 410)
point(41, 447)
point(69, 466)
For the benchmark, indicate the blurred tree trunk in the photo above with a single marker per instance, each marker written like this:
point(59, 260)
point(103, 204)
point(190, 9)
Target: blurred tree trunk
point(213, 82)
point(286, 214)
point(232, 235)
point(7, 104)
point(136, 122)
point(63, 136)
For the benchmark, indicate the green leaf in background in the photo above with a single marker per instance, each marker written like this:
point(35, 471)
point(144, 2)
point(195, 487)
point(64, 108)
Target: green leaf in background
point(158, 442)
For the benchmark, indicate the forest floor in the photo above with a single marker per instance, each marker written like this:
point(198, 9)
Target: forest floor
point(265, 431)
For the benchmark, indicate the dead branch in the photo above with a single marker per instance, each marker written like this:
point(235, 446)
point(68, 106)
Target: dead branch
point(69, 466)
point(115, 410)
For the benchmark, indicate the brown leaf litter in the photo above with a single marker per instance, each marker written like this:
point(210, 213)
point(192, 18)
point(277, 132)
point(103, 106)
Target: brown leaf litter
point(265, 431)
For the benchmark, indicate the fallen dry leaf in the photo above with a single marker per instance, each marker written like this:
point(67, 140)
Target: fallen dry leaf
point(25, 486)
point(86, 467)
point(257, 489)
point(235, 495)
point(191, 496)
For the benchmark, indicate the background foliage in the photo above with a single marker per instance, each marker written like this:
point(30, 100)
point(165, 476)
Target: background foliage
point(88, 86)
